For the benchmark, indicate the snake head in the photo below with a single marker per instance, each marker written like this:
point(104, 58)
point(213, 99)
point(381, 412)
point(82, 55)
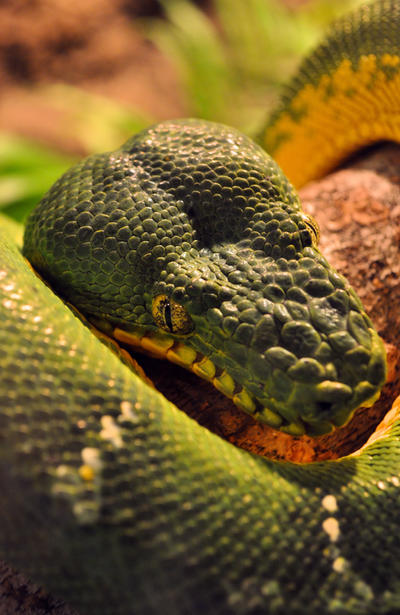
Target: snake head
point(190, 239)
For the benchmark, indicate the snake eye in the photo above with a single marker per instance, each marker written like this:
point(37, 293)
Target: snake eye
point(171, 316)
point(313, 228)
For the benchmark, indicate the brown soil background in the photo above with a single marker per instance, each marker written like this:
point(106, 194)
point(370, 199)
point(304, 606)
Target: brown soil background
point(94, 45)
point(98, 46)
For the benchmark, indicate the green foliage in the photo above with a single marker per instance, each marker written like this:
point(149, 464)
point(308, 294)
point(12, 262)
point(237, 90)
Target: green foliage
point(233, 63)
point(191, 41)
point(26, 172)
point(100, 123)
point(27, 169)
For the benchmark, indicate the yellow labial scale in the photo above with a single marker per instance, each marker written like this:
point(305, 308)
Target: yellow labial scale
point(156, 345)
point(244, 401)
point(181, 355)
point(225, 384)
point(345, 111)
point(271, 418)
point(370, 402)
point(204, 369)
point(152, 343)
point(294, 429)
point(128, 337)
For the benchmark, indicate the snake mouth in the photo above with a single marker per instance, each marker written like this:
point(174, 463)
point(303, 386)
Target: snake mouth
point(162, 346)
point(194, 392)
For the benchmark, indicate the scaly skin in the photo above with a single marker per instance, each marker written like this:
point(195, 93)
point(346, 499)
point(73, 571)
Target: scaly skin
point(112, 497)
point(198, 213)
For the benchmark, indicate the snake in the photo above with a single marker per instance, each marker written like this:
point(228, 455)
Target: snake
point(189, 243)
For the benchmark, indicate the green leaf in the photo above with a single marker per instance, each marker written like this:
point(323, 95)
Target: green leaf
point(27, 170)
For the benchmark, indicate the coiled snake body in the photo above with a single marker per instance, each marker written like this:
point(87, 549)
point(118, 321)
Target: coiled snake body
point(190, 243)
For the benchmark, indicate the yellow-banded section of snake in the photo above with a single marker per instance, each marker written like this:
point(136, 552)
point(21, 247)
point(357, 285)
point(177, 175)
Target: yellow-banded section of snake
point(190, 243)
point(344, 96)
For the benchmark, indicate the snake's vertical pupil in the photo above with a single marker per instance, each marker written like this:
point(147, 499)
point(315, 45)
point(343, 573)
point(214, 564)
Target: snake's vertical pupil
point(167, 316)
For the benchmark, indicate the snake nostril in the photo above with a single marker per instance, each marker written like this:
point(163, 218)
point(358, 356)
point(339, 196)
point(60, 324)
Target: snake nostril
point(324, 406)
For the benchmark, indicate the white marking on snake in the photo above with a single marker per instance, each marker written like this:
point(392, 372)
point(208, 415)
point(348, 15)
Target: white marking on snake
point(127, 412)
point(111, 431)
point(91, 457)
point(62, 470)
point(329, 503)
point(331, 527)
point(340, 564)
point(10, 305)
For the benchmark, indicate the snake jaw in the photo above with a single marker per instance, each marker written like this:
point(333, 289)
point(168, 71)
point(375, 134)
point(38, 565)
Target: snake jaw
point(334, 400)
point(161, 346)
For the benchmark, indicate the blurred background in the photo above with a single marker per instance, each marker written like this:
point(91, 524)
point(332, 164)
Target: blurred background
point(80, 76)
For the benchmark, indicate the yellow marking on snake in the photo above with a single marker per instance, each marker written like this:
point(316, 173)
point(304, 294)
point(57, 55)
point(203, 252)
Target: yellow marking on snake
point(181, 355)
point(244, 401)
point(160, 346)
point(346, 110)
point(204, 369)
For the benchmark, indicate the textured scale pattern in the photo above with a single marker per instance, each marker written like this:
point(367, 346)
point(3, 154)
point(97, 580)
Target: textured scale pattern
point(119, 502)
point(197, 212)
point(112, 497)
